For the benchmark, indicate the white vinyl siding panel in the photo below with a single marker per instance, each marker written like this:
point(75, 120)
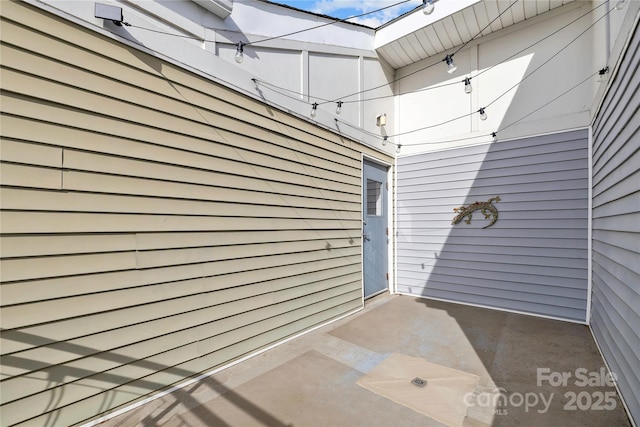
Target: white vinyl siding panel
point(615, 312)
point(155, 225)
point(533, 259)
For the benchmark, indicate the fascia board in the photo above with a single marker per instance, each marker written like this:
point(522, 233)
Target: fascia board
point(417, 20)
point(221, 8)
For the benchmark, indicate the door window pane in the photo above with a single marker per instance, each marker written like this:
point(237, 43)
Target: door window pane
point(374, 197)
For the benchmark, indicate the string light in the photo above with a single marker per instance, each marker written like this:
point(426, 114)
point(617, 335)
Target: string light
point(427, 7)
point(384, 85)
point(384, 140)
point(314, 109)
point(451, 66)
point(449, 60)
point(339, 107)
point(482, 111)
point(493, 135)
point(467, 85)
point(239, 50)
point(436, 63)
point(473, 38)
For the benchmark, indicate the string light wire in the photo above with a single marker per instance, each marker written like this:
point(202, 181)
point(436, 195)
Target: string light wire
point(549, 59)
point(277, 88)
point(542, 39)
point(364, 131)
point(495, 134)
point(512, 87)
point(549, 102)
point(328, 23)
point(336, 21)
point(415, 144)
point(482, 30)
point(424, 68)
point(327, 101)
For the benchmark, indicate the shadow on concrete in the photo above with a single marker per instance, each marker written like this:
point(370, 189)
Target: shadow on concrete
point(57, 377)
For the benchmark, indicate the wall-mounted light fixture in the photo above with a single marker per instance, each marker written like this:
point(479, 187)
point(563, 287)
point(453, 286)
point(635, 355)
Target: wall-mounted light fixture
point(381, 120)
point(109, 13)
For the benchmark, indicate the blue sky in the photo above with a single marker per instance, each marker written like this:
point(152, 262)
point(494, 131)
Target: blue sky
point(345, 8)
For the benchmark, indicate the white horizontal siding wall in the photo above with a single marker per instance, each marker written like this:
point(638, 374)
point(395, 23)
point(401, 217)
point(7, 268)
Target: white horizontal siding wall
point(155, 225)
point(532, 260)
point(615, 313)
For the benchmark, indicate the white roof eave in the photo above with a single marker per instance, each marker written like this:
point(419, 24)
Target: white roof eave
point(417, 20)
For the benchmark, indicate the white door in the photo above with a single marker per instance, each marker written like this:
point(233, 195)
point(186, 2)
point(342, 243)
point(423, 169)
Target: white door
point(375, 229)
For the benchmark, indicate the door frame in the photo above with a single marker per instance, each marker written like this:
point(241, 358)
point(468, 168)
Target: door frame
point(391, 249)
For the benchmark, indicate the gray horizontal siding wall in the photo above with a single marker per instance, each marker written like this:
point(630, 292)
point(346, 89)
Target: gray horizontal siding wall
point(533, 259)
point(154, 225)
point(615, 313)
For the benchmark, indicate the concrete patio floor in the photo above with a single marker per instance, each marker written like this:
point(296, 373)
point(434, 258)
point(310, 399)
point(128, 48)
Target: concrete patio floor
point(313, 380)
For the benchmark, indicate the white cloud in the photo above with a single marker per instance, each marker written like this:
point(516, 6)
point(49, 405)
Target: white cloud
point(357, 7)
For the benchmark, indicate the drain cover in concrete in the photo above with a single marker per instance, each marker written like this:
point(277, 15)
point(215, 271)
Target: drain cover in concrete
point(442, 398)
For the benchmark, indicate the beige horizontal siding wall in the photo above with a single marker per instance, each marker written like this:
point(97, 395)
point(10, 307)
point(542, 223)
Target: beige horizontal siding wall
point(155, 225)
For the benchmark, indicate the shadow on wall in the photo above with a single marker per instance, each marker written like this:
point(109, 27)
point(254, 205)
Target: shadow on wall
point(514, 78)
point(520, 241)
point(533, 259)
point(184, 396)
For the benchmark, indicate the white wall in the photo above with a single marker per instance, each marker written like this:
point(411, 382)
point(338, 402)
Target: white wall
point(326, 63)
point(433, 105)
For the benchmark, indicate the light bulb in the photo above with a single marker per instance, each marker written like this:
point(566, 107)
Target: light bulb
point(467, 85)
point(398, 148)
point(339, 107)
point(494, 135)
point(314, 109)
point(427, 7)
point(451, 66)
point(239, 55)
point(483, 114)
point(384, 140)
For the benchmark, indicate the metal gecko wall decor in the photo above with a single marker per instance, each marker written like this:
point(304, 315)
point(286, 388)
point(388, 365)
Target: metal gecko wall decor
point(487, 209)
